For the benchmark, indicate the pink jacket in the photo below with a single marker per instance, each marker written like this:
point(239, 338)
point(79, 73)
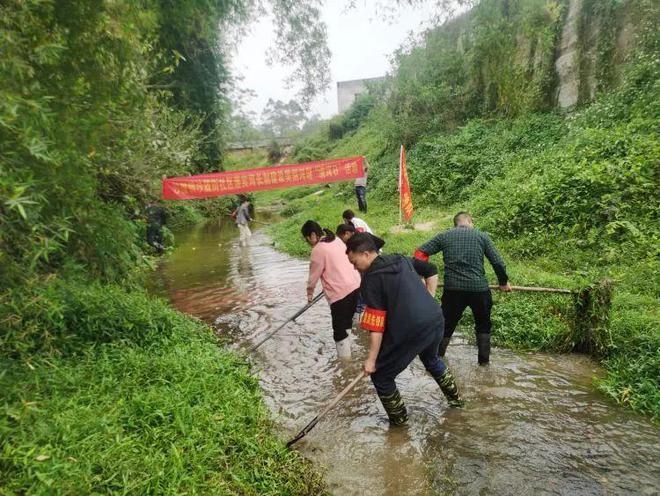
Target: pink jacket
point(330, 263)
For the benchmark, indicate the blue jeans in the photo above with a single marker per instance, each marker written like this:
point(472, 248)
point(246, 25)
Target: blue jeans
point(384, 381)
point(361, 193)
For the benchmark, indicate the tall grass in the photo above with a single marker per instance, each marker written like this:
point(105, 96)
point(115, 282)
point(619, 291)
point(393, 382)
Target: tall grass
point(109, 391)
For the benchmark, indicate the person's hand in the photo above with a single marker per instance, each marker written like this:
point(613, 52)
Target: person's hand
point(369, 366)
point(506, 288)
point(310, 298)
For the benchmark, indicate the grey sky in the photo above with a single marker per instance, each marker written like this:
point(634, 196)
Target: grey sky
point(360, 42)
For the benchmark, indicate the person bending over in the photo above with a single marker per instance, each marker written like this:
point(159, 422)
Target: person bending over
point(403, 320)
point(360, 225)
point(345, 231)
point(465, 285)
point(340, 281)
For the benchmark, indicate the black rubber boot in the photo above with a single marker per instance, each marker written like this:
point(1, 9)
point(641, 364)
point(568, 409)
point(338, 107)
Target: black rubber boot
point(443, 346)
point(483, 347)
point(394, 407)
point(447, 384)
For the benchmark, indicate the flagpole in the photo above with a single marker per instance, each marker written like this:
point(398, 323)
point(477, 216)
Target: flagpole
point(400, 206)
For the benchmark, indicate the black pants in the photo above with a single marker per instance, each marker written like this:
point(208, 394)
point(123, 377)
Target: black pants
point(455, 302)
point(383, 378)
point(342, 312)
point(361, 193)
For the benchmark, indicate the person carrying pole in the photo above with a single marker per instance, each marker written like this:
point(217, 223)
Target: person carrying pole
point(404, 321)
point(340, 281)
point(465, 285)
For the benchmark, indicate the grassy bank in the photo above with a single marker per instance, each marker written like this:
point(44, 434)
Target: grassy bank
point(628, 348)
point(110, 391)
point(569, 200)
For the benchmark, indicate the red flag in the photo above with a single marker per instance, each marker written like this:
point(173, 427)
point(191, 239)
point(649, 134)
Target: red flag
point(405, 198)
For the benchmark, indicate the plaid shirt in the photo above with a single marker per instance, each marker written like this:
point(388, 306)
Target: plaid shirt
point(463, 249)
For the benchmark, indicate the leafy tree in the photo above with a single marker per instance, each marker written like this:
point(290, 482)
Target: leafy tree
point(242, 128)
point(301, 42)
point(194, 65)
point(282, 119)
point(98, 100)
point(74, 120)
point(312, 124)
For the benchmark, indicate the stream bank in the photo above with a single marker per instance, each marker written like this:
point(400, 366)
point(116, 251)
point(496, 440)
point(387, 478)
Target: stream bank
point(533, 422)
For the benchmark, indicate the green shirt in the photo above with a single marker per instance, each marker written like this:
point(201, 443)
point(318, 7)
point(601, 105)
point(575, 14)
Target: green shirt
point(463, 250)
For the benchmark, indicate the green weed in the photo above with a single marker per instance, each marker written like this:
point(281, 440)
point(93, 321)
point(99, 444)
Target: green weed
point(109, 391)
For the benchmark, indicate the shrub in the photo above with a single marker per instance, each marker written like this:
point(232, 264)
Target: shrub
point(59, 318)
point(275, 152)
point(108, 391)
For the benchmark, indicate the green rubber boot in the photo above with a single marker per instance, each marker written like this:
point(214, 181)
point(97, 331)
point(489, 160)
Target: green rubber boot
point(447, 384)
point(394, 407)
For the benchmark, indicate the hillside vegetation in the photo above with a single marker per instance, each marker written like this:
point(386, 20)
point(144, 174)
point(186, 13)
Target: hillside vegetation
point(570, 198)
point(105, 389)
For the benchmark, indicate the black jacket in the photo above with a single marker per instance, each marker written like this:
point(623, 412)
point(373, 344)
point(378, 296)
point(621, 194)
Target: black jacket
point(398, 304)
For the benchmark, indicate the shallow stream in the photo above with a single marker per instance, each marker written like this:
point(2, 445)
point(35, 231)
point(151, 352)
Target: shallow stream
point(533, 423)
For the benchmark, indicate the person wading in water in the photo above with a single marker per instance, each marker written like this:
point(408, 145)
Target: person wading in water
point(463, 249)
point(242, 219)
point(404, 321)
point(340, 281)
point(426, 270)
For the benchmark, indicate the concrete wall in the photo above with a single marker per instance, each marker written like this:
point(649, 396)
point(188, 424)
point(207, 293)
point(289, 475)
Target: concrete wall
point(567, 64)
point(265, 143)
point(347, 91)
point(577, 61)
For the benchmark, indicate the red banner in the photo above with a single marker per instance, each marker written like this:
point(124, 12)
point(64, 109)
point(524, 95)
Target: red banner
point(405, 199)
point(263, 178)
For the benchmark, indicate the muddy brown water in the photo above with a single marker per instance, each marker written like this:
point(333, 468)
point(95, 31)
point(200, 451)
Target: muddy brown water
point(533, 423)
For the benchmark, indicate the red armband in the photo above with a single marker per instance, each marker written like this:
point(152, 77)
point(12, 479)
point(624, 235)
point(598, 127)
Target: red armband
point(420, 255)
point(373, 320)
